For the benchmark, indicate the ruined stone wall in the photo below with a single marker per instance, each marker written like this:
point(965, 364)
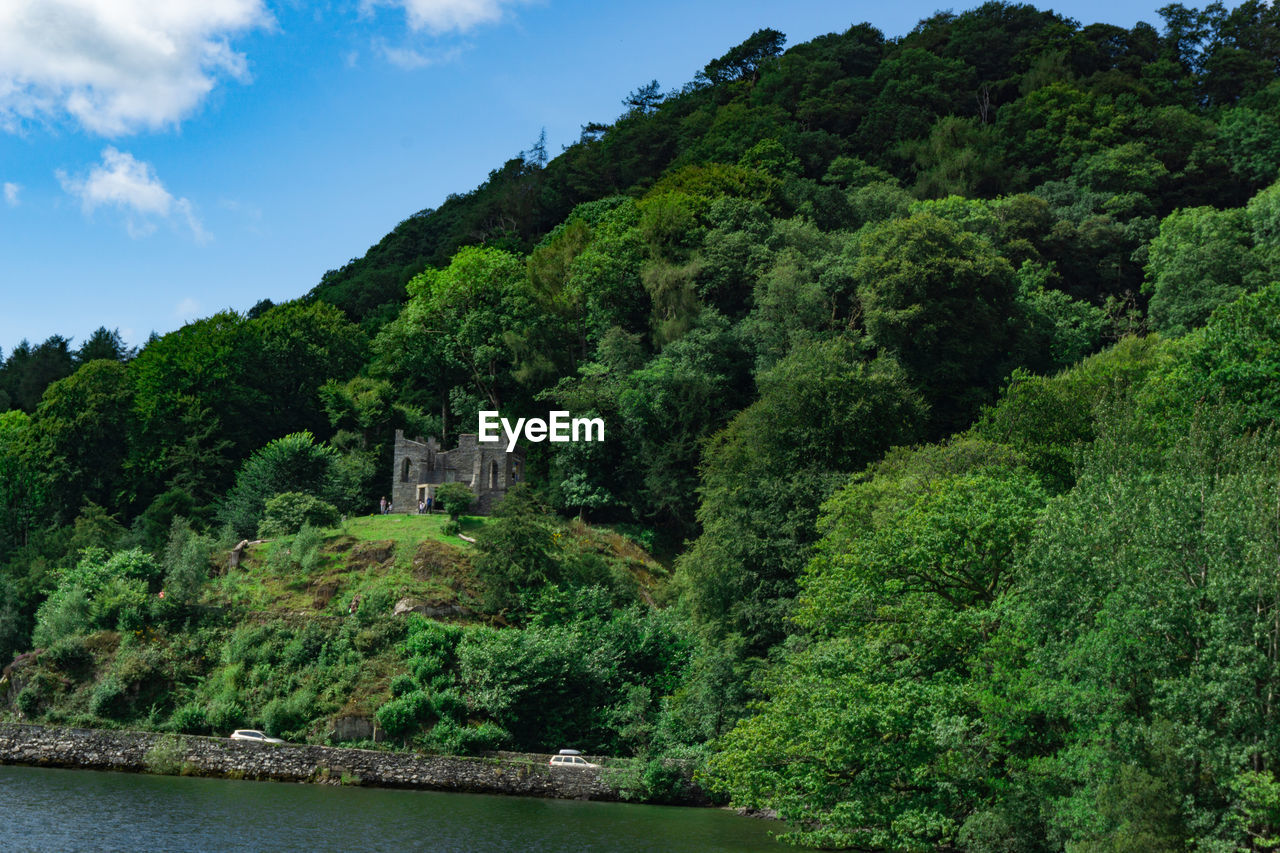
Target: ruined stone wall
point(404, 495)
point(97, 749)
point(471, 463)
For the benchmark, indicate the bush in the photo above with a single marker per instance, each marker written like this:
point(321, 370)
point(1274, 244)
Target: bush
point(288, 512)
point(455, 499)
point(186, 559)
point(448, 705)
point(190, 719)
point(402, 684)
point(294, 463)
point(300, 554)
point(225, 715)
point(290, 715)
point(108, 699)
point(431, 639)
point(70, 655)
point(403, 715)
point(65, 613)
point(28, 701)
point(167, 756)
point(454, 739)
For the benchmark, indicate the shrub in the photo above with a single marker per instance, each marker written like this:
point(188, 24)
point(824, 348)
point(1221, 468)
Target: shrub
point(70, 654)
point(403, 715)
point(288, 512)
point(167, 756)
point(455, 499)
point(28, 701)
point(190, 719)
point(431, 638)
point(65, 613)
point(186, 559)
point(424, 669)
point(294, 463)
point(108, 699)
point(225, 715)
point(289, 715)
point(403, 684)
point(454, 739)
point(448, 705)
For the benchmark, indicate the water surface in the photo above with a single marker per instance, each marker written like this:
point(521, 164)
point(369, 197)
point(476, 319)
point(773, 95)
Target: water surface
point(73, 810)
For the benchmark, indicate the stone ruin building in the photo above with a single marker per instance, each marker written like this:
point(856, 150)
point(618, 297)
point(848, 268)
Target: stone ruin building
point(421, 467)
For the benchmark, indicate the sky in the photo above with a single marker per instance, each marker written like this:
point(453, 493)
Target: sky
point(161, 161)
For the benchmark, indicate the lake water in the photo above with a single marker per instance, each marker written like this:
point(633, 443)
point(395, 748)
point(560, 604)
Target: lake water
point(75, 810)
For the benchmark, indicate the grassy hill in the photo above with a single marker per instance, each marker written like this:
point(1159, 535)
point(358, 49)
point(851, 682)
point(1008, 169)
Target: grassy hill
point(306, 630)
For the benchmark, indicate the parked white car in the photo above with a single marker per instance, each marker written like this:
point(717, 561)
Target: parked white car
point(567, 759)
point(254, 735)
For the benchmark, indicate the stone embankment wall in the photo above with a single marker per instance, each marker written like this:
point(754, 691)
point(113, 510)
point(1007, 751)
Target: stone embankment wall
point(95, 749)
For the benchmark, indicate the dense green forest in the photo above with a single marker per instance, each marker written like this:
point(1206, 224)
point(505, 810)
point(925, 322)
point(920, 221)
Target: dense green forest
point(941, 375)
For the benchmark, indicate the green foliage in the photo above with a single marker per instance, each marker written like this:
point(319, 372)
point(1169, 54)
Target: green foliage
point(100, 592)
point(892, 607)
point(190, 719)
point(295, 463)
point(519, 551)
point(767, 473)
point(573, 683)
point(939, 300)
point(167, 756)
point(455, 499)
point(78, 429)
point(187, 563)
point(405, 714)
point(288, 512)
point(770, 284)
point(1202, 258)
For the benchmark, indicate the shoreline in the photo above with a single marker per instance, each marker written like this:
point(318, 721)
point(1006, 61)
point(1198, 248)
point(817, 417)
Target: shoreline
point(525, 775)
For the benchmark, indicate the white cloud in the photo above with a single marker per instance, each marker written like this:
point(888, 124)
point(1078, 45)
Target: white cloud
point(186, 309)
point(11, 191)
point(403, 57)
point(441, 16)
point(408, 59)
point(117, 66)
point(132, 186)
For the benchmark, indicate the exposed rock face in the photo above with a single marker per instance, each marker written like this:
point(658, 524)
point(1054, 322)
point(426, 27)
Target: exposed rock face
point(433, 611)
point(355, 728)
point(94, 749)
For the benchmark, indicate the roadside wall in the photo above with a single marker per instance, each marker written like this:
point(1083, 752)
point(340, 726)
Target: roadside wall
point(94, 749)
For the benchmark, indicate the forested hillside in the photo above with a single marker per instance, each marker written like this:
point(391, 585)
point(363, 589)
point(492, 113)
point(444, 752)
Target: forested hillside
point(939, 372)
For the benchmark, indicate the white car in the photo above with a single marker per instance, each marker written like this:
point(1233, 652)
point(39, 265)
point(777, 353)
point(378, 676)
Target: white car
point(254, 735)
point(575, 761)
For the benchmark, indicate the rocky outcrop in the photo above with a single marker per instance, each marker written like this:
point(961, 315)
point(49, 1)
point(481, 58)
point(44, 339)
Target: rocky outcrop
point(97, 749)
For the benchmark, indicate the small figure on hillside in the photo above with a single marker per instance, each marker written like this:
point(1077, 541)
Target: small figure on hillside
point(422, 506)
point(355, 605)
point(429, 509)
point(382, 506)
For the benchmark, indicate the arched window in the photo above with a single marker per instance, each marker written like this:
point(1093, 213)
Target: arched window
point(493, 474)
point(404, 470)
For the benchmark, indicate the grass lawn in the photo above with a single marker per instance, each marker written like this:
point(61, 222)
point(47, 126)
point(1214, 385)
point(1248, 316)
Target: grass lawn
point(405, 530)
point(266, 584)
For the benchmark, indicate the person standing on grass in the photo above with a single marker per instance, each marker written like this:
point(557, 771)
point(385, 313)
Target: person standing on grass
point(382, 507)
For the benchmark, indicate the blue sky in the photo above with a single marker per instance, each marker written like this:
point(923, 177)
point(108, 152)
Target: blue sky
point(160, 161)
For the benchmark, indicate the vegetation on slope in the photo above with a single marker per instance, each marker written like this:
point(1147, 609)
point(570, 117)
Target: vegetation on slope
point(940, 369)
